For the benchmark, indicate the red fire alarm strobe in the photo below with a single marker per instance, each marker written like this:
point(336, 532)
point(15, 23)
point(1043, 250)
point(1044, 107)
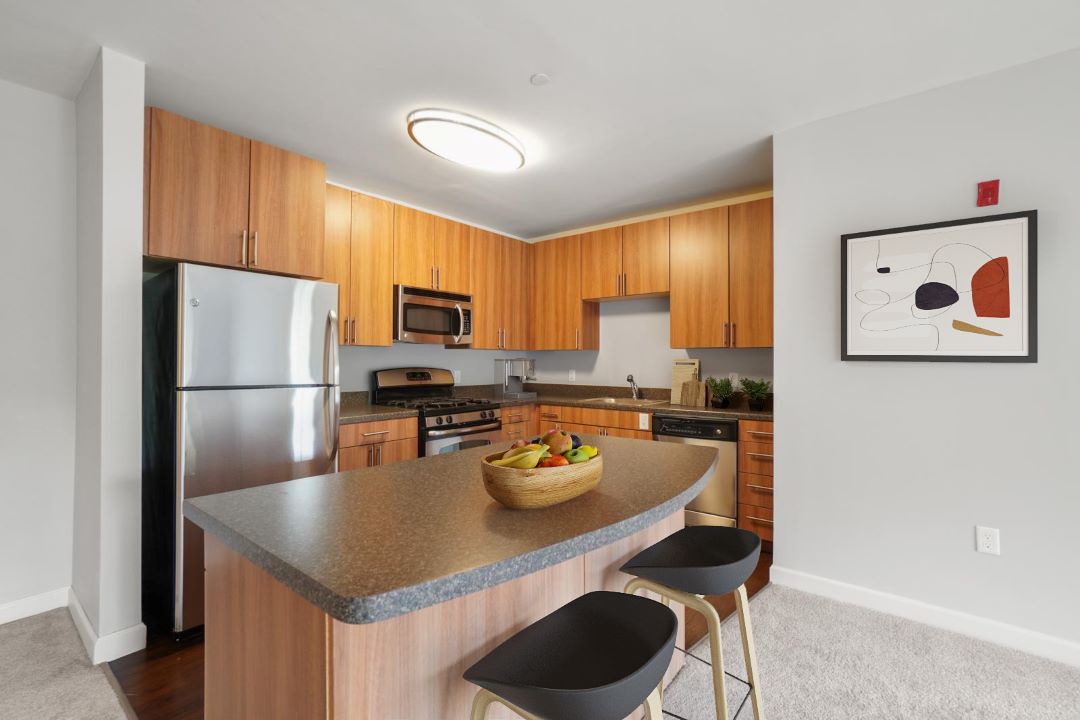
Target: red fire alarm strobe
point(988, 193)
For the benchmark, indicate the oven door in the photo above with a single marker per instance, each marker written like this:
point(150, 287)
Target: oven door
point(437, 442)
point(427, 316)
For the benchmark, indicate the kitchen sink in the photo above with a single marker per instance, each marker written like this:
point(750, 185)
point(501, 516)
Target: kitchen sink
point(625, 401)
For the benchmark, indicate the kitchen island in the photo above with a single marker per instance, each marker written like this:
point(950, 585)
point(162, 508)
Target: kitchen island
point(366, 594)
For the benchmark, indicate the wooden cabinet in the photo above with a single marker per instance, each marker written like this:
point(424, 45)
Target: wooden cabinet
point(377, 443)
point(756, 477)
point(218, 198)
point(721, 277)
point(359, 257)
point(578, 429)
point(431, 252)
point(501, 298)
point(751, 270)
point(561, 319)
point(571, 416)
point(631, 260)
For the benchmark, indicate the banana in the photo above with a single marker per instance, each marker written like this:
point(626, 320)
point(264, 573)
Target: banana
point(522, 461)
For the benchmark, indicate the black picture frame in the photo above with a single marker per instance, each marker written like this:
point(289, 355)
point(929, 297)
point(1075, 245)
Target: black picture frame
point(1032, 291)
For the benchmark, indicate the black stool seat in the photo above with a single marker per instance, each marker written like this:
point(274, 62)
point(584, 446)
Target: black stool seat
point(599, 656)
point(702, 560)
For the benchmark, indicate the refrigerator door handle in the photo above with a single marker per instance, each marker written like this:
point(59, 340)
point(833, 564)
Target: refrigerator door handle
point(330, 349)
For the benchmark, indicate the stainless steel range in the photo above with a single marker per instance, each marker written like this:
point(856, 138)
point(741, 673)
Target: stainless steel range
point(447, 423)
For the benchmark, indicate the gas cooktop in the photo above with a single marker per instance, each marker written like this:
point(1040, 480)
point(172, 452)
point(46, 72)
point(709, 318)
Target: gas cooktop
point(434, 405)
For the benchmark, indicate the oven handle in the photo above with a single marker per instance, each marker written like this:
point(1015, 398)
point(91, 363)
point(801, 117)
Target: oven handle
point(461, 317)
point(463, 431)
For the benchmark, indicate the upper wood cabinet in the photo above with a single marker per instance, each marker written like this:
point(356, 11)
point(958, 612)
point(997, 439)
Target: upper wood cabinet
point(625, 261)
point(359, 258)
point(431, 252)
point(750, 241)
point(500, 292)
point(218, 198)
point(721, 277)
point(561, 320)
point(699, 279)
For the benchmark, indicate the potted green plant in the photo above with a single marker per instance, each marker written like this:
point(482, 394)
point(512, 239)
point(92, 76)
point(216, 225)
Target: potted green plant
point(720, 391)
point(756, 392)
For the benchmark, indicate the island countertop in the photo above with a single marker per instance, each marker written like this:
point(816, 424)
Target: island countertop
point(372, 544)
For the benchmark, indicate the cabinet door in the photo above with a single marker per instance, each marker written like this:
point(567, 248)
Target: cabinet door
point(602, 264)
point(337, 248)
point(557, 311)
point(624, 433)
point(287, 213)
point(645, 257)
point(396, 451)
point(515, 278)
point(371, 284)
point(354, 458)
point(487, 289)
point(197, 191)
point(414, 247)
point(751, 257)
point(453, 256)
point(699, 279)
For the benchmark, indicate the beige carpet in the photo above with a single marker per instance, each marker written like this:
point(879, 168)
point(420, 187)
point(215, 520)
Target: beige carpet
point(826, 660)
point(45, 674)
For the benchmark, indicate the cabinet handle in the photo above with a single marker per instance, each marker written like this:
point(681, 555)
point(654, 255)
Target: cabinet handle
point(377, 432)
point(515, 418)
point(513, 433)
point(549, 416)
point(371, 456)
point(759, 432)
point(763, 456)
point(255, 248)
point(762, 488)
point(624, 290)
point(438, 277)
point(354, 330)
point(378, 450)
point(726, 344)
point(760, 520)
point(243, 248)
point(577, 338)
point(618, 283)
point(732, 334)
point(432, 277)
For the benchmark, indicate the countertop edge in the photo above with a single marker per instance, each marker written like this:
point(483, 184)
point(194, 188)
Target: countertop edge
point(366, 610)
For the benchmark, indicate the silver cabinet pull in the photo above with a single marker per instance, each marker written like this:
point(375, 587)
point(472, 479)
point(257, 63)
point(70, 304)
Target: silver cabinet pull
point(243, 248)
point(549, 416)
point(432, 277)
point(759, 432)
point(762, 488)
point(438, 277)
point(515, 418)
point(377, 432)
point(378, 449)
point(618, 283)
point(760, 520)
point(763, 456)
point(624, 290)
point(732, 334)
point(726, 343)
point(354, 330)
point(371, 455)
point(255, 248)
point(577, 338)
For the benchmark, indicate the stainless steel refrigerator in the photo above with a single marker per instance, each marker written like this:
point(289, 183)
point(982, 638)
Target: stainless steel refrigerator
point(240, 388)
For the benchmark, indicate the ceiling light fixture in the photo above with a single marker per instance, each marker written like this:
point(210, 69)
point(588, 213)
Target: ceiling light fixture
point(466, 140)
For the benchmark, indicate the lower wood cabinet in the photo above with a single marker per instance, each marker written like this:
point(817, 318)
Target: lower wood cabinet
point(519, 422)
point(578, 429)
point(757, 519)
point(377, 443)
point(756, 477)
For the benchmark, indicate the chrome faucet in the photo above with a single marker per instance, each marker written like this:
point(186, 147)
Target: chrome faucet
point(634, 392)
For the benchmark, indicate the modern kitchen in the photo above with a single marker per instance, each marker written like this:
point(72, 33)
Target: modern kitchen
point(423, 362)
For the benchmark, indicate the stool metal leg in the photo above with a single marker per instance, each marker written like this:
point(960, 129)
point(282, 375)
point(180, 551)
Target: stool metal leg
point(653, 703)
point(695, 602)
point(749, 654)
point(484, 698)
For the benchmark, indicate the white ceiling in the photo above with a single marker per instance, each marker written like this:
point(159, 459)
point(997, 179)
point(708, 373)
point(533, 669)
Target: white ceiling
point(650, 103)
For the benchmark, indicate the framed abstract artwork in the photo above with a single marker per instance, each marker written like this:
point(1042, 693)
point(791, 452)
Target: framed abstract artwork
point(962, 290)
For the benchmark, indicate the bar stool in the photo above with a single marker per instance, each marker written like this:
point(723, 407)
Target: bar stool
point(597, 657)
point(698, 561)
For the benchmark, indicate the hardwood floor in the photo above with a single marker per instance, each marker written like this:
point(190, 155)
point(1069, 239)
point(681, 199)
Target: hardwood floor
point(165, 681)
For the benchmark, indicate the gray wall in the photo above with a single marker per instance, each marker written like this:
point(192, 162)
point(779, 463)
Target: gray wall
point(884, 468)
point(37, 354)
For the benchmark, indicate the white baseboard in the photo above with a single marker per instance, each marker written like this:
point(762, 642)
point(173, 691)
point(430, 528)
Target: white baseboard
point(111, 646)
point(26, 607)
point(1030, 641)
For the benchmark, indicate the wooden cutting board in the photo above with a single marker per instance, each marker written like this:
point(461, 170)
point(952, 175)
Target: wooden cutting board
point(681, 372)
point(693, 393)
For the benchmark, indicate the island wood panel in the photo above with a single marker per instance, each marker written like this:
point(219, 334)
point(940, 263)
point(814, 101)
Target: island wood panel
point(337, 252)
point(699, 278)
point(287, 210)
point(267, 649)
point(411, 666)
point(453, 255)
point(751, 256)
point(197, 191)
point(414, 247)
point(602, 261)
point(371, 284)
point(627, 419)
point(368, 433)
point(487, 289)
point(645, 250)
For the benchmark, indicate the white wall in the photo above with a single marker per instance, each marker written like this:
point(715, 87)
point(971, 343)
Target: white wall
point(37, 355)
point(106, 577)
point(884, 468)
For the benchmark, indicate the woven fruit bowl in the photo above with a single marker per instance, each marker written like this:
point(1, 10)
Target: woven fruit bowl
point(539, 487)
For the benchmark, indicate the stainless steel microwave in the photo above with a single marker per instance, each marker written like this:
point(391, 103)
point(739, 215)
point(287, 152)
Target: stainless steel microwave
point(432, 316)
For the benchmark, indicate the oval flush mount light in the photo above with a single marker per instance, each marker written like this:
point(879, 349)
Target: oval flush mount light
point(466, 140)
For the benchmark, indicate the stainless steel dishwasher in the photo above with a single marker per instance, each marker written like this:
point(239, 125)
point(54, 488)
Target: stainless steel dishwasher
point(717, 504)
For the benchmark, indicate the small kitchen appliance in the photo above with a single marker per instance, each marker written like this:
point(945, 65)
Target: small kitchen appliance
point(511, 376)
point(432, 316)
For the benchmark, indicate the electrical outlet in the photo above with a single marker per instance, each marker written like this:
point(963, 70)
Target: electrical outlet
point(573, 376)
point(987, 540)
point(643, 421)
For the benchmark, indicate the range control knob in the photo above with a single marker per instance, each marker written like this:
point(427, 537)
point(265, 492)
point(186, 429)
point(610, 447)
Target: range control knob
point(438, 421)
point(485, 414)
point(449, 419)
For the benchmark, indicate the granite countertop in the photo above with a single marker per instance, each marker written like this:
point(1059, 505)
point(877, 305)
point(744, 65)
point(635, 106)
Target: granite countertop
point(372, 544)
point(662, 407)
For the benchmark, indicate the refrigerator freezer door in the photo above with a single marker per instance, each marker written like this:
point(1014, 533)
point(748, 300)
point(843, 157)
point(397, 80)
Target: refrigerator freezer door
point(248, 329)
point(239, 438)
